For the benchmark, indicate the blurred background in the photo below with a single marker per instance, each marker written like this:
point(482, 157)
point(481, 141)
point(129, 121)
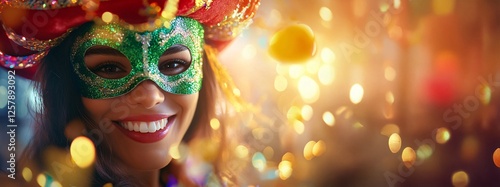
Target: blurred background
point(364, 93)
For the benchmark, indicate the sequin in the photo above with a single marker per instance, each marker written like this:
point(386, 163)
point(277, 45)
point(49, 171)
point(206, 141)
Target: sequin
point(45, 4)
point(33, 43)
point(19, 62)
point(143, 49)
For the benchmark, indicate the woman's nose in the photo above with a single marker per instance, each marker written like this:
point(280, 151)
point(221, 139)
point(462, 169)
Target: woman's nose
point(147, 94)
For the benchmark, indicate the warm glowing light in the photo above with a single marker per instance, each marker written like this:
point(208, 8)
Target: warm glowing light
point(41, 179)
point(174, 152)
point(384, 7)
point(82, 151)
point(307, 112)
point(289, 157)
point(389, 97)
point(249, 52)
point(107, 17)
point(259, 161)
point(274, 17)
point(308, 89)
point(390, 73)
point(241, 151)
point(298, 126)
point(470, 148)
point(327, 55)
point(496, 157)
point(214, 123)
point(55, 184)
point(442, 135)
point(313, 66)
point(27, 174)
point(443, 7)
point(460, 179)
point(285, 169)
point(397, 4)
point(294, 113)
point(325, 13)
point(108, 185)
point(357, 125)
point(424, 152)
point(281, 69)
point(326, 74)
point(268, 152)
point(280, 83)
point(389, 129)
point(328, 118)
point(236, 92)
point(408, 156)
point(356, 93)
point(295, 71)
point(394, 142)
point(486, 94)
point(308, 150)
point(319, 148)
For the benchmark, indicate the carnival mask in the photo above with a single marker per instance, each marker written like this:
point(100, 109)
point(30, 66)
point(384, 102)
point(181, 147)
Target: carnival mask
point(143, 50)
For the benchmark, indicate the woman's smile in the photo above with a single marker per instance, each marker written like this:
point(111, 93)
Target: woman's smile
point(146, 129)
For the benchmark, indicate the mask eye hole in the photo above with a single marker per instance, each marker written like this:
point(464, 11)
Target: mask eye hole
point(175, 60)
point(107, 62)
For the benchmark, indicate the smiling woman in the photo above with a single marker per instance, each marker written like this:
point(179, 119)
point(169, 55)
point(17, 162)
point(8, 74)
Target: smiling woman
point(142, 94)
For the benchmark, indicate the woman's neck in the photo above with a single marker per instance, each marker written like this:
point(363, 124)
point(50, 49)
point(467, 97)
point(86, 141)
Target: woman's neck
point(147, 178)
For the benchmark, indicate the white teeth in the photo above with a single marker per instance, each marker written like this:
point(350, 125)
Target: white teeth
point(130, 126)
point(136, 127)
point(151, 127)
point(145, 127)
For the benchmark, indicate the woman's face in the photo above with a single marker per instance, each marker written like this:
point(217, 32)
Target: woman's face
point(144, 85)
point(147, 121)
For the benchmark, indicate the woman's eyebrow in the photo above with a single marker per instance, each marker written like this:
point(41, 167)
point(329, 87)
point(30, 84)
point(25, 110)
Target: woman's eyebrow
point(174, 49)
point(103, 50)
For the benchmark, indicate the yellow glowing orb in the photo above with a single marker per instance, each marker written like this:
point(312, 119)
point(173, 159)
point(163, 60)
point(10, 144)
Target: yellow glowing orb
point(408, 157)
point(293, 44)
point(82, 151)
point(460, 178)
point(394, 142)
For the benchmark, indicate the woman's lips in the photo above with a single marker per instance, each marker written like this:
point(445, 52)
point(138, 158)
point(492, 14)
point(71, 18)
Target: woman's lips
point(147, 129)
point(144, 127)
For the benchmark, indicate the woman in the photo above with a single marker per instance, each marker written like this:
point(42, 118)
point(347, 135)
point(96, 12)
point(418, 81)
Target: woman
point(137, 80)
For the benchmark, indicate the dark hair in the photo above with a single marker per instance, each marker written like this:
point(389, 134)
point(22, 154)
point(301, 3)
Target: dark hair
point(61, 103)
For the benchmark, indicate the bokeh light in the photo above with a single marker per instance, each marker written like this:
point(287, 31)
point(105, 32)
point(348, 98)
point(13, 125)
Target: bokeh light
point(325, 13)
point(308, 150)
point(356, 93)
point(27, 174)
point(259, 161)
point(496, 157)
point(442, 135)
point(308, 89)
point(394, 143)
point(460, 179)
point(82, 151)
point(280, 83)
point(408, 156)
point(328, 118)
point(107, 17)
point(214, 123)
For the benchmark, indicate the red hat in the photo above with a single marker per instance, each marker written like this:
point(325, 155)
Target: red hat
point(30, 28)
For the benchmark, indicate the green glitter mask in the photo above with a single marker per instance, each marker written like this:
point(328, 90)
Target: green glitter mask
point(143, 50)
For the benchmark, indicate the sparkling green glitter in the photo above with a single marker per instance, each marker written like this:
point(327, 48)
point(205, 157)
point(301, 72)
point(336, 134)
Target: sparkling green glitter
point(143, 51)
